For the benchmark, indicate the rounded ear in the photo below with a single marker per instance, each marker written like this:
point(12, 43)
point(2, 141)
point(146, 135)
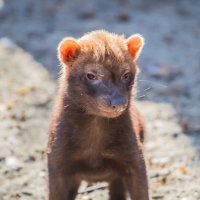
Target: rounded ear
point(68, 50)
point(135, 44)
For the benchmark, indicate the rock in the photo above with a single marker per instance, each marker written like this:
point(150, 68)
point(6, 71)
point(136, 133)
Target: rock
point(27, 193)
point(183, 170)
point(160, 161)
point(157, 196)
point(22, 90)
point(13, 163)
point(31, 158)
point(14, 140)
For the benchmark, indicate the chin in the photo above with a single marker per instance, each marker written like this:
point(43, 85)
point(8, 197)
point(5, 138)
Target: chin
point(110, 114)
point(106, 112)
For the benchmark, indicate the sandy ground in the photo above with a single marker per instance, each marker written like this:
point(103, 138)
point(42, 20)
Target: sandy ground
point(168, 92)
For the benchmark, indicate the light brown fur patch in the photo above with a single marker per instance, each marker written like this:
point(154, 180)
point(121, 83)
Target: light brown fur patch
point(103, 43)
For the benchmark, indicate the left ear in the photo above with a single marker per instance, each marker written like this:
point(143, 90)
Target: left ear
point(135, 44)
point(68, 50)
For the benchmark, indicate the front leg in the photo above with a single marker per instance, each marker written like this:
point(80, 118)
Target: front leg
point(62, 187)
point(137, 182)
point(62, 184)
point(59, 187)
point(117, 190)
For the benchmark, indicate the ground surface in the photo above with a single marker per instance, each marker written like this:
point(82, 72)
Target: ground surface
point(169, 90)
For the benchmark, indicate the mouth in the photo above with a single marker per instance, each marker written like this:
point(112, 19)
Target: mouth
point(111, 113)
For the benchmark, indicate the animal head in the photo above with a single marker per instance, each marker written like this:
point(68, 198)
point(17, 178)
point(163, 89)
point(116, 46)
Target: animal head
point(99, 70)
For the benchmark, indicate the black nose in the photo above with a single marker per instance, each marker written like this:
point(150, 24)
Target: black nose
point(118, 102)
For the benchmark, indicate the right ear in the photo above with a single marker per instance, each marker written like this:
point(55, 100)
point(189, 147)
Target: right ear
point(135, 44)
point(68, 50)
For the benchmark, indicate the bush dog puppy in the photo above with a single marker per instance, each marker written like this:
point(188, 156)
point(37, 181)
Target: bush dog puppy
point(96, 133)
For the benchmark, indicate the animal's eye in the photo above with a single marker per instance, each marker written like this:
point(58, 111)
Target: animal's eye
point(91, 76)
point(127, 77)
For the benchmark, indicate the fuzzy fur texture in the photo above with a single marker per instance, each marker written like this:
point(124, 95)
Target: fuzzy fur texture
point(96, 132)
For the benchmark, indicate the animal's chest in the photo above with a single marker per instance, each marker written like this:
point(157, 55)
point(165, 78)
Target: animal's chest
point(99, 151)
point(96, 165)
point(93, 155)
point(95, 147)
point(100, 159)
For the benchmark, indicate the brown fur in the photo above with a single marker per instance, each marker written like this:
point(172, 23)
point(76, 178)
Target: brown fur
point(89, 139)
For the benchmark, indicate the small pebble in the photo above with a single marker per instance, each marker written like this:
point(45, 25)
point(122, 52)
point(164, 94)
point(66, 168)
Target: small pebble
point(13, 163)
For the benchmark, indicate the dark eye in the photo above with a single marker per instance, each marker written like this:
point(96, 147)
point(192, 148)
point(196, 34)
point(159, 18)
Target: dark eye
point(91, 77)
point(127, 77)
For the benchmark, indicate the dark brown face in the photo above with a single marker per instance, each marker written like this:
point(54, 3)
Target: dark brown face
point(102, 89)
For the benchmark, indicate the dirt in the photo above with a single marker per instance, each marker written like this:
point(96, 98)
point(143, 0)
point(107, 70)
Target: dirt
point(168, 89)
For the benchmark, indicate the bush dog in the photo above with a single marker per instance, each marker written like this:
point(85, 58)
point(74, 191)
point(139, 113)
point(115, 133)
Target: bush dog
point(96, 133)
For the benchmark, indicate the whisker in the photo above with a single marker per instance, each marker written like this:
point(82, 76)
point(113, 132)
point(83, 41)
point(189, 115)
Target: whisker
point(147, 89)
point(141, 93)
point(142, 96)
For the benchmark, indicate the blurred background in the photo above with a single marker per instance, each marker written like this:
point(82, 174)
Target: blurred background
point(168, 88)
